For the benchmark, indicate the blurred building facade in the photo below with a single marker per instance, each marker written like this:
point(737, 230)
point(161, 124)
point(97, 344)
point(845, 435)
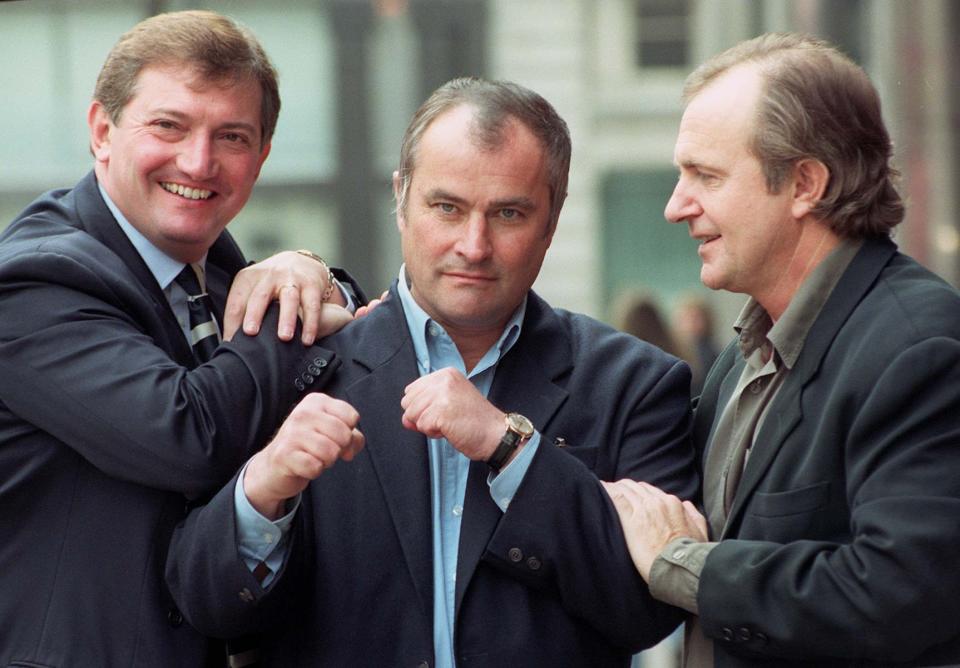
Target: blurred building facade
point(353, 71)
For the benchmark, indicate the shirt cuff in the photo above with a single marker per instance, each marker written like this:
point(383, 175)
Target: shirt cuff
point(259, 539)
point(675, 574)
point(347, 296)
point(504, 485)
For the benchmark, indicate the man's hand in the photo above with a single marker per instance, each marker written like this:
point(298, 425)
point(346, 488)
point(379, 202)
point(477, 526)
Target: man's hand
point(444, 404)
point(298, 282)
point(319, 431)
point(372, 304)
point(651, 519)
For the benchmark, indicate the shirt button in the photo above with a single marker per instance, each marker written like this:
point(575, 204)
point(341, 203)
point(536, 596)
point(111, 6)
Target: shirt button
point(268, 537)
point(679, 555)
point(458, 510)
point(434, 330)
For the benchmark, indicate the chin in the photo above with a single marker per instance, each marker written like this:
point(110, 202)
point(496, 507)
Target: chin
point(712, 280)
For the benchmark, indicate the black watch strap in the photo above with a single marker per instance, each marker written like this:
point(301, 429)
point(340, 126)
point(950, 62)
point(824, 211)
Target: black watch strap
point(507, 445)
point(519, 429)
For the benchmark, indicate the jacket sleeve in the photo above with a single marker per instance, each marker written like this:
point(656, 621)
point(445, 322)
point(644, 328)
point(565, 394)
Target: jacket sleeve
point(210, 582)
point(79, 360)
point(871, 595)
point(564, 525)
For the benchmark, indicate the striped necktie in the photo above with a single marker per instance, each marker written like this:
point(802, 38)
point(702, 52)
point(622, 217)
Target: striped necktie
point(204, 333)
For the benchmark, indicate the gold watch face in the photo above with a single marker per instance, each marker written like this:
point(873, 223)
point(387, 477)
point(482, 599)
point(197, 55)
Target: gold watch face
point(519, 425)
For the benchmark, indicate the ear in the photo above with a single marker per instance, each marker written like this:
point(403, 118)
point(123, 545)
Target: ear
point(810, 179)
point(397, 186)
point(98, 120)
point(263, 157)
point(553, 224)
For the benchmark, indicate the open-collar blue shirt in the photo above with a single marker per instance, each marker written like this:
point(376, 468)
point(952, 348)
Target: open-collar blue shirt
point(449, 467)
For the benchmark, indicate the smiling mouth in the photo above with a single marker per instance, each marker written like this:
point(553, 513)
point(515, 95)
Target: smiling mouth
point(186, 192)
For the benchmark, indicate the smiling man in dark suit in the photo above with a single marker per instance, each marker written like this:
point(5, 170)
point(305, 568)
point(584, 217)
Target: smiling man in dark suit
point(111, 423)
point(472, 529)
point(829, 429)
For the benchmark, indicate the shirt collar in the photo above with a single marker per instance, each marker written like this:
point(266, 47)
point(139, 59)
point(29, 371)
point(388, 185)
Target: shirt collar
point(787, 335)
point(163, 267)
point(418, 323)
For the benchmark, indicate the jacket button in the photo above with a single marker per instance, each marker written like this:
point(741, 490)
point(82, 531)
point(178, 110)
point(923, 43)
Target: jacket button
point(533, 564)
point(515, 554)
point(307, 378)
point(761, 637)
point(423, 664)
point(320, 362)
point(174, 617)
point(726, 633)
point(743, 634)
point(297, 383)
point(314, 369)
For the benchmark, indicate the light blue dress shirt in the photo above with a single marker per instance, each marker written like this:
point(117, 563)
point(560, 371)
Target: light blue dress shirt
point(262, 540)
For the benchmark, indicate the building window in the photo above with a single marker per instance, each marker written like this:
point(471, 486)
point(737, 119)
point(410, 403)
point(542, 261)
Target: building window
point(663, 33)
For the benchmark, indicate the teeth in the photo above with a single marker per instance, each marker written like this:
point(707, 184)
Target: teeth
point(183, 191)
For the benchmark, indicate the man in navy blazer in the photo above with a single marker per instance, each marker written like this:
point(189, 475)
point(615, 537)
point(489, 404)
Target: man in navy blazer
point(472, 529)
point(110, 429)
point(828, 430)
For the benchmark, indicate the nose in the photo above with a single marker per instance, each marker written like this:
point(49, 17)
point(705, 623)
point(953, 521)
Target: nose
point(682, 206)
point(196, 158)
point(474, 242)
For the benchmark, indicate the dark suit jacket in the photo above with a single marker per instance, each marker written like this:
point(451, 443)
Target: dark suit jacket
point(106, 431)
point(843, 540)
point(549, 583)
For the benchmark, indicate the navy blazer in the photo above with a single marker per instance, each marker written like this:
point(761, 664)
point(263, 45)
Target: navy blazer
point(548, 583)
point(843, 540)
point(107, 432)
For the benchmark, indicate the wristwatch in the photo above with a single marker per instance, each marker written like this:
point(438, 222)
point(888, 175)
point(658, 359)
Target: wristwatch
point(519, 430)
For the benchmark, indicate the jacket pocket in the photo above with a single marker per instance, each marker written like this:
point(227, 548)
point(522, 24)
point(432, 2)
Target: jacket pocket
point(791, 502)
point(585, 453)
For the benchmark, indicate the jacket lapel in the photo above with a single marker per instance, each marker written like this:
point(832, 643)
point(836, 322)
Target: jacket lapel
point(97, 220)
point(524, 383)
point(399, 455)
point(785, 412)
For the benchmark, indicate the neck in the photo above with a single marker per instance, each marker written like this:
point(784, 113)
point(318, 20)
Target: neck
point(473, 346)
point(816, 242)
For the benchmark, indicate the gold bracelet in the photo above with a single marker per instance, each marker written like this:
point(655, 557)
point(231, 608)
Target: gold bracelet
point(331, 282)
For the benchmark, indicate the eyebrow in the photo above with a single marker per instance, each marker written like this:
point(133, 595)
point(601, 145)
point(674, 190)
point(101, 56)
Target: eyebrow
point(520, 202)
point(235, 125)
point(697, 165)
